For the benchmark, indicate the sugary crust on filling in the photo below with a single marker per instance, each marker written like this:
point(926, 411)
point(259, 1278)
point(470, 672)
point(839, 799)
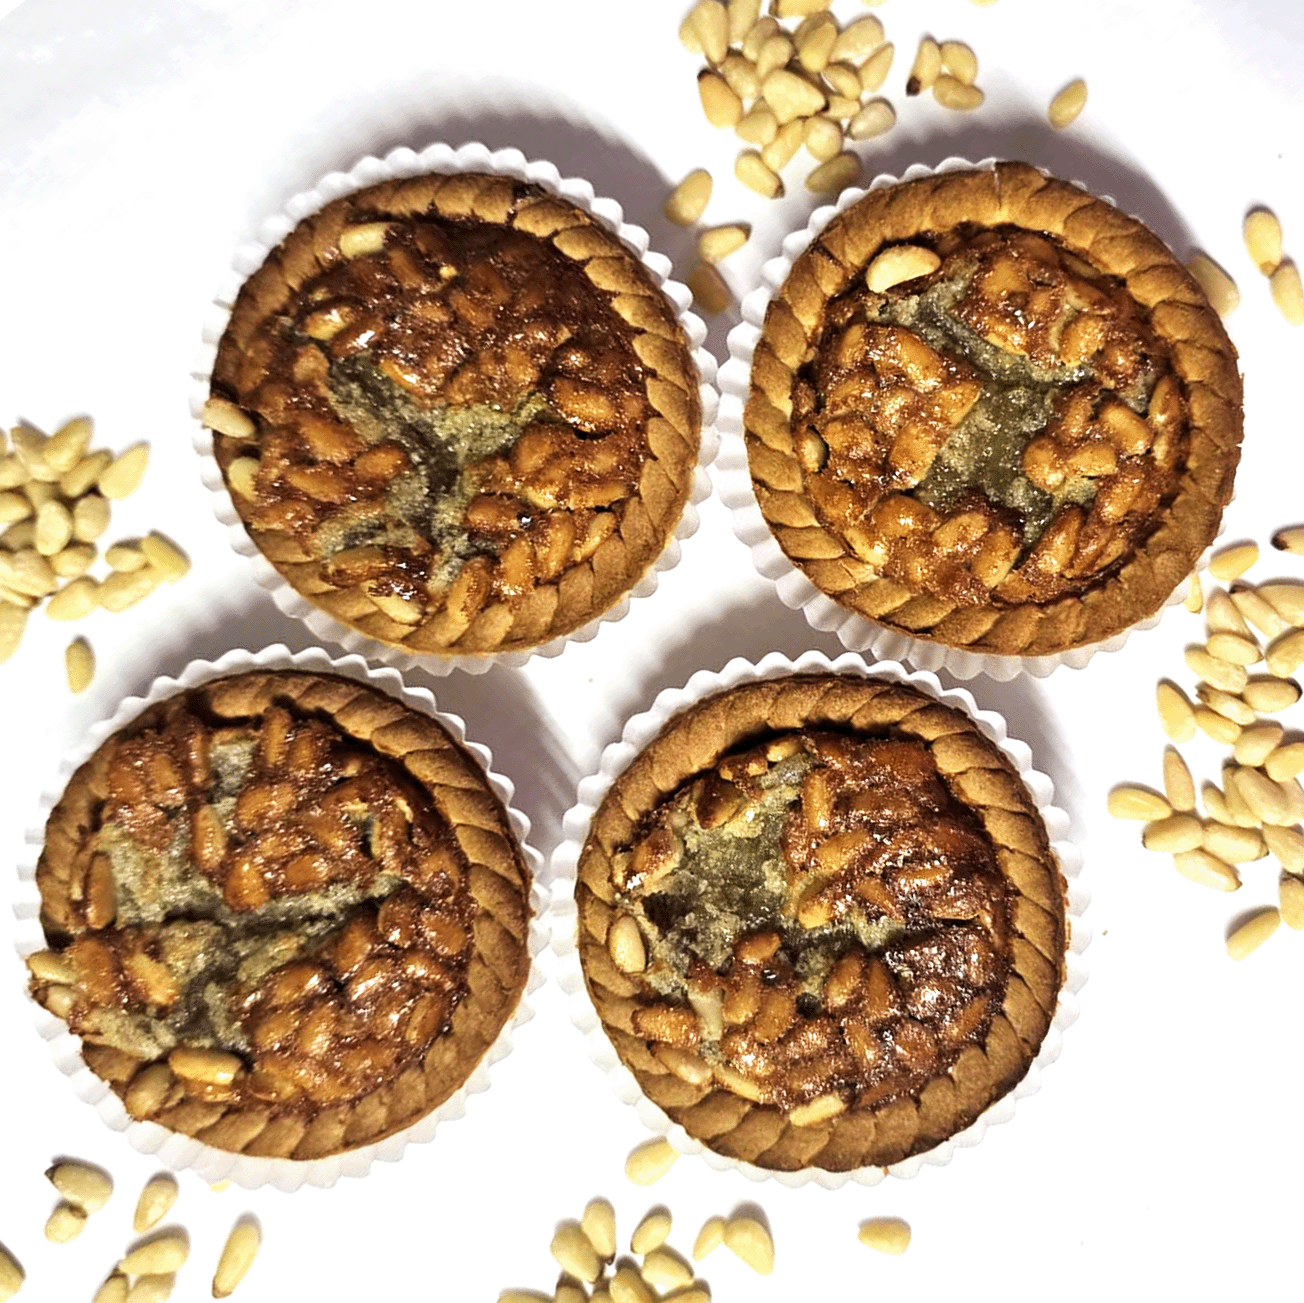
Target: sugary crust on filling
point(457, 413)
point(296, 876)
point(1021, 448)
point(821, 922)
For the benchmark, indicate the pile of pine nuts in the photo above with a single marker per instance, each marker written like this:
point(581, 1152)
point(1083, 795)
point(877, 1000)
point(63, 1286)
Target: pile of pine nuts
point(794, 78)
point(56, 498)
point(1258, 809)
point(147, 1272)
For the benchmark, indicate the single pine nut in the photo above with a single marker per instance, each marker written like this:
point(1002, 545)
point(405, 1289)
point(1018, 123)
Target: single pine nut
point(752, 170)
point(1232, 562)
point(1179, 786)
point(1219, 288)
point(843, 79)
point(720, 241)
point(238, 1254)
point(709, 1238)
point(1288, 292)
point(1177, 832)
point(241, 475)
point(960, 61)
point(1233, 648)
point(709, 23)
point(1251, 934)
point(951, 93)
point(1223, 615)
point(68, 444)
point(122, 477)
point(798, 8)
point(1233, 844)
point(598, 1222)
point(666, 1271)
point(51, 966)
point(65, 1224)
point(1206, 870)
point(874, 71)
point(166, 1252)
point(84, 474)
point(781, 150)
point(1290, 898)
point(1290, 539)
point(82, 1184)
point(1262, 233)
point(1265, 799)
point(835, 176)
point(757, 127)
point(710, 293)
point(164, 555)
point(126, 557)
point(720, 102)
point(13, 507)
point(1131, 802)
point(817, 1110)
point(79, 665)
point(876, 118)
point(742, 14)
point(1217, 726)
point(791, 96)
point(1238, 813)
point(215, 1067)
point(74, 601)
point(1229, 706)
point(775, 53)
point(886, 1234)
point(29, 445)
point(12, 1275)
point(120, 591)
point(1194, 600)
point(13, 620)
point(762, 30)
point(1258, 613)
point(815, 44)
point(574, 1253)
point(627, 1286)
point(1287, 599)
point(688, 200)
point(1285, 762)
point(926, 67)
point(1257, 743)
point(650, 1161)
point(823, 138)
point(858, 38)
point(1067, 104)
point(1293, 793)
point(1287, 844)
point(751, 1242)
point(226, 418)
point(899, 263)
point(113, 1290)
point(1286, 653)
point(366, 237)
point(652, 1232)
point(1268, 696)
point(90, 518)
point(27, 572)
point(155, 1202)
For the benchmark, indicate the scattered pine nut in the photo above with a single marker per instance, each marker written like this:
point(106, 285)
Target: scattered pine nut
point(687, 201)
point(834, 176)
point(154, 1288)
point(598, 1222)
point(1220, 674)
point(709, 1238)
point(1233, 844)
point(708, 23)
point(1218, 286)
point(1287, 844)
point(757, 127)
point(926, 67)
point(780, 152)
point(238, 1254)
point(710, 293)
point(1234, 649)
point(1216, 726)
point(1257, 612)
point(573, 1252)
point(1131, 802)
point(823, 137)
point(1205, 869)
point(1290, 540)
point(776, 52)
point(1179, 786)
point(791, 96)
point(742, 14)
point(720, 241)
point(83, 1184)
point(68, 444)
point(874, 71)
point(1227, 705)
point(165, 1252)
point(1290, 897)
point(1286, 762)
point(650, 1161)
point(858, 39)
point(1232, 562)
point(815, 44)
point(1067, 104)
point(155, 1202)
point(65, 1223)
point(720, 101)
point(874, 119)
point(951, 93)
point(1286, 653)
point(167, 559)
point(1251, 934)
point(1257, 742)
point(886, 1234)
point(1175, 712)
point(1262, 233)
point(1194, 601)
point(12, 1275)
point(652, 1232)
point(1176, 832)
point(1268, 696)
point(113, 1290)
point(122, 477)
point(79, 665)
point(753, 171)
point(1287, 599)
point(960, 61)
point(751, 1241)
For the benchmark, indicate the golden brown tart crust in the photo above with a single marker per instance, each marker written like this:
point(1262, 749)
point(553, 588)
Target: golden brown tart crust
point(301, 878)
point(457, 413)
point(1021, 449)
point(821, 922)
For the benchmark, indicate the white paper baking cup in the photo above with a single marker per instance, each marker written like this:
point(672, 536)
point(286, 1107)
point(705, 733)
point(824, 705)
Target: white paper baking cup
point(734, 484)
point(178, 1151)
point(638, 732)
point(399, 163)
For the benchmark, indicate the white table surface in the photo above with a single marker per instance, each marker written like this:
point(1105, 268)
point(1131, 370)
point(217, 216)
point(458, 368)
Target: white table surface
point(141, 143)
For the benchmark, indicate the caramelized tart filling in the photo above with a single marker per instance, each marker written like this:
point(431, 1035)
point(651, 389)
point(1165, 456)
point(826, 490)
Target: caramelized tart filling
point(1004, 428)
point(822, 919)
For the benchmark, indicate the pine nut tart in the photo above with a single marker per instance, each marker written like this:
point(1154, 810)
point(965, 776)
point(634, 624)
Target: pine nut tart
point(456, 413)
point(821, 921)
point(286, 914)
point(989, 410)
